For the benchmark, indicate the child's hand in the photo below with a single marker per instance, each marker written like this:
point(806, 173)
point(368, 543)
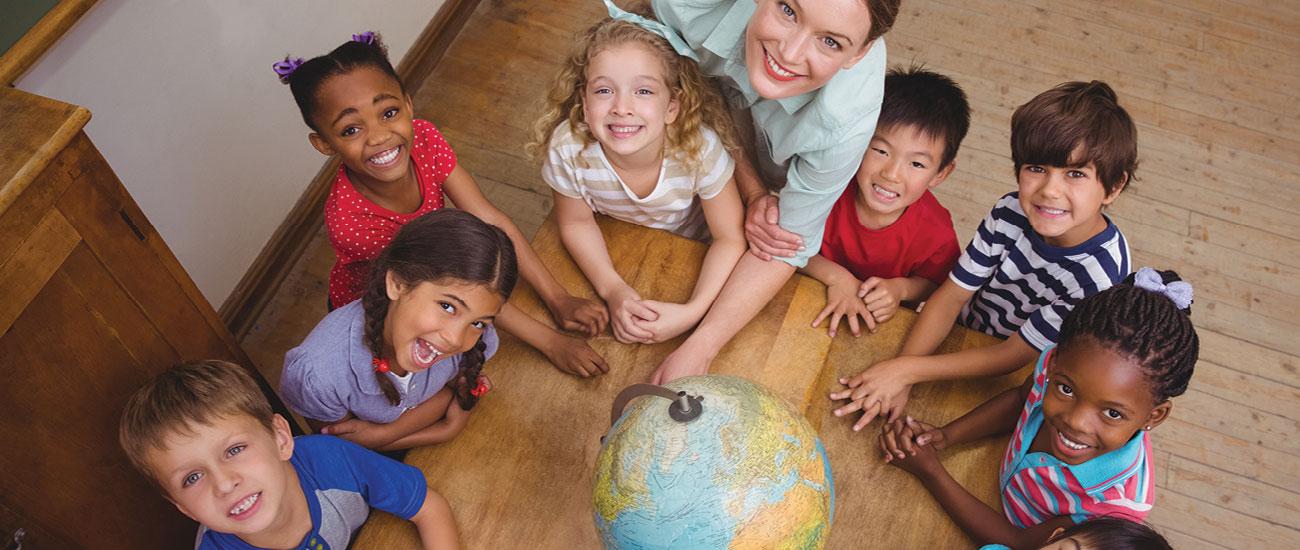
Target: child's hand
point(574, 356)
point(898, 445)
point(767, 238)
point(365, 434)
point(579, 315)
point(626, 316)
point(842, 300)
point(673, 319)
point(931, 436)
point(881, 297)
point(679, 364)
point(880, 390)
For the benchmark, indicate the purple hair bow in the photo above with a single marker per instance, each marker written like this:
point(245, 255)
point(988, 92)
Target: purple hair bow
point(1178, 291)
point(367, 37)
point(287, 67)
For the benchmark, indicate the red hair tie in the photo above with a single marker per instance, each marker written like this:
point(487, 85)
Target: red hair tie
point(380, 364)
point(481, 388)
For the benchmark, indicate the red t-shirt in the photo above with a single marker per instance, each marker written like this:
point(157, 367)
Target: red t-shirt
point(360, 229)
point(920, 243)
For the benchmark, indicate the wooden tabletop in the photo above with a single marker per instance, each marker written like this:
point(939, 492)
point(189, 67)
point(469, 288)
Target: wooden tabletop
point(521, 472)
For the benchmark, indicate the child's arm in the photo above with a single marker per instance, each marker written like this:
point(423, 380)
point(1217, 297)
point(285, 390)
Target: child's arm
point(841, 296)
point(435, 420)
point(568, 354)
point(996, 416)
point(570, 312)
point(983, 524)
point(582, 237)
point(436, 524)
point(931, 327)
point(725, 214)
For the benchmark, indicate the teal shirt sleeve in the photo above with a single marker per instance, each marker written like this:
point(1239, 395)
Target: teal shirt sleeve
point(813, 183)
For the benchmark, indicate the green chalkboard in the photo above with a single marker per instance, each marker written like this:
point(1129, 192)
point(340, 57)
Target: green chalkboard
point(17, 16)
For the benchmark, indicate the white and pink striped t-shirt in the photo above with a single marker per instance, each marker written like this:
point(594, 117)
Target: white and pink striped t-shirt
point(1037, 486)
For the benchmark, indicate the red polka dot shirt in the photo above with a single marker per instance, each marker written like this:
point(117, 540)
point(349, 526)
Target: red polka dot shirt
point(360, 229)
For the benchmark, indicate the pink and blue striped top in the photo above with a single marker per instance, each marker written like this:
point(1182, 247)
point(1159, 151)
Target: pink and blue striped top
point(1037, 486)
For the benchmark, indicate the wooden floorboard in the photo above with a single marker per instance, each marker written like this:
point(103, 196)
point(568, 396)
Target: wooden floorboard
point(1213, 86)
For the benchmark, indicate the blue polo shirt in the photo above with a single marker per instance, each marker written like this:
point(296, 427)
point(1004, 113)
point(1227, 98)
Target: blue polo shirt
point(341, 481)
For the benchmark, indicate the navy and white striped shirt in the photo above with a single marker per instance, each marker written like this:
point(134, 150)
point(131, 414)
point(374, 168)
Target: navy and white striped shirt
point(1023, 284)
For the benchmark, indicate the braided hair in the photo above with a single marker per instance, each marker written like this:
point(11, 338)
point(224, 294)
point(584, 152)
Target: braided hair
point(305, 79)
point(1144, 325)
point(446, 244)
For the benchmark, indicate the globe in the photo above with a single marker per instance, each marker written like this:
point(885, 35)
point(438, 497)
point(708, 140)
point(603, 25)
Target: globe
point(748, 472)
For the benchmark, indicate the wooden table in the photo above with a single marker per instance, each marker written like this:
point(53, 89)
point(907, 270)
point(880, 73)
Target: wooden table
point(521, 472)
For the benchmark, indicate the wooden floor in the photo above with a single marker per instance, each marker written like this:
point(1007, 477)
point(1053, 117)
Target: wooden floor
point(1214, 86)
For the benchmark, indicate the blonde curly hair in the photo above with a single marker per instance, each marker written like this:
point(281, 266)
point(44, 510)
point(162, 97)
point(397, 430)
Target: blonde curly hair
point(699, 103)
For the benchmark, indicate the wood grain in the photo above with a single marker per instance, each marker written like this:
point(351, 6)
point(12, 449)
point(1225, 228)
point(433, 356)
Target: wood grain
point(522, 469)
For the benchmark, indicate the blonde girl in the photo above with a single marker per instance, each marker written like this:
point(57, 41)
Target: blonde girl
point(634, 131)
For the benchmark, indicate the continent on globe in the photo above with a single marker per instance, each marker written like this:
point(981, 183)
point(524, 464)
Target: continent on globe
point(749, 472)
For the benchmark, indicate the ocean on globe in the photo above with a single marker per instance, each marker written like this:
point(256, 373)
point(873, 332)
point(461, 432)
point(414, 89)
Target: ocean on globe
point(749, 472)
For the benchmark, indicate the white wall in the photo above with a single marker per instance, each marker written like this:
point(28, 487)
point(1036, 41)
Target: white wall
point(190, 115)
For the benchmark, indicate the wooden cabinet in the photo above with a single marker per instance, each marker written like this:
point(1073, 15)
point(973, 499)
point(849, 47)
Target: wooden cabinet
point(92, 304)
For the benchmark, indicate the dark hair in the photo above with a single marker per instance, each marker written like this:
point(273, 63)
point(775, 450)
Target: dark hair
point(187, 394)
point(446, 244)
point(931, 102)
point(305, 81)
point(883, 13)
point(1114, 533)
point(1077, 115)
point(1144, 325)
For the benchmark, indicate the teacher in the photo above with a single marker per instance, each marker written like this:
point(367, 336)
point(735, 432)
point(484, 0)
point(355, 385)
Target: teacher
point(804, 79)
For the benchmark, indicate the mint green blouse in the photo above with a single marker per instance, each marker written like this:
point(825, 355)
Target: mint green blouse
point(814, 141)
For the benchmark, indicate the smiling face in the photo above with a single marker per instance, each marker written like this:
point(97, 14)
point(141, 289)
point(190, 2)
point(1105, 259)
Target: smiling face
point(431, 321)
point(794, 46)
point(1064, 204)
point(627, 102)
point(365, 119)
point(900, 165)
point(1095, 401)
point(232, 475)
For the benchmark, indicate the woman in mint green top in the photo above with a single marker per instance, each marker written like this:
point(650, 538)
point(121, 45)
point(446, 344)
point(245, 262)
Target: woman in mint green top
point(811, 140)
point(811, 75)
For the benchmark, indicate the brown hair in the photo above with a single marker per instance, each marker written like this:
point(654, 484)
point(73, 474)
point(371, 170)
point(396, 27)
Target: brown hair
point(883, 14)
point(443, 245)
point(187, 394)
point(699, 103)
point(1082, 116)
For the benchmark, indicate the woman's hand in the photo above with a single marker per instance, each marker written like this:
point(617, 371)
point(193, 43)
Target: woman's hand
point(767, 238)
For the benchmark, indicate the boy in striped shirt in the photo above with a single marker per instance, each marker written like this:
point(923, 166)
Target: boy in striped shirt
point(1039, 251)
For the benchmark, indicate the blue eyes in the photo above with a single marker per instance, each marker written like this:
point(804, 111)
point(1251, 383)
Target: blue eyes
point(831, 43)
point(195, 477)
point(786, 9)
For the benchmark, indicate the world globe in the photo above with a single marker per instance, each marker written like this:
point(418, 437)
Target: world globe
point(746, 472)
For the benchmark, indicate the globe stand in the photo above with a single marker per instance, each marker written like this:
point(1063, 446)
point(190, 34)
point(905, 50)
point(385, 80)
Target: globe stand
point(683, 408)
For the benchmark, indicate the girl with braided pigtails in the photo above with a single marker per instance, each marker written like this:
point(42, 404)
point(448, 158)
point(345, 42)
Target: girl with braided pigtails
point(1079, 446)
point(401, 367)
